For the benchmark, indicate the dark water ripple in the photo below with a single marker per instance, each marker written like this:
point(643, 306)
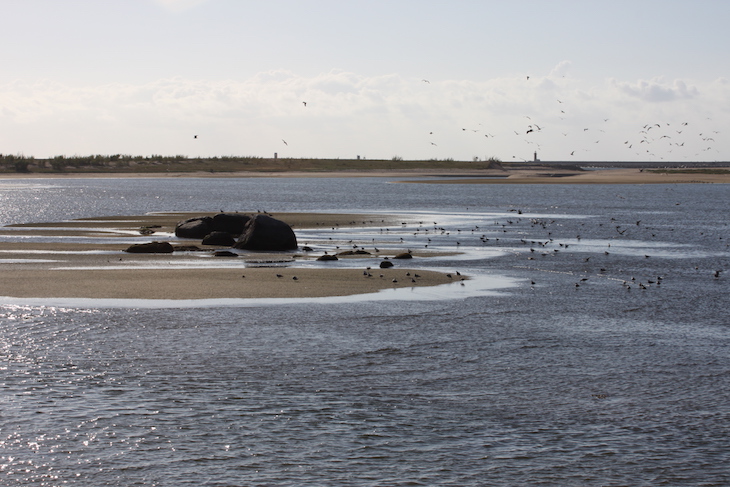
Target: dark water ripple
point(546, 384)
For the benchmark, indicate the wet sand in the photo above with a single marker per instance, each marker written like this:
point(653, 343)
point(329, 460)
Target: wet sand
point(511, 175)
point(605, 176)
point(207, 283)
point(103, 270)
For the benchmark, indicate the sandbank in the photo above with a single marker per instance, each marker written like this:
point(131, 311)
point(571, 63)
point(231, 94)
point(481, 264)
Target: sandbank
point(91, 267)
point(512, 174)
point(603, 176)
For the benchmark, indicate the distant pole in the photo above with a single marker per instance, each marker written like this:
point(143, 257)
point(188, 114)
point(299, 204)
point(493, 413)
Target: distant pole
point(276, 155)
point(535, 156)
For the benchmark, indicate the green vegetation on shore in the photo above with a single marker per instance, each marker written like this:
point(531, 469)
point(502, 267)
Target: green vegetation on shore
point(120, 163)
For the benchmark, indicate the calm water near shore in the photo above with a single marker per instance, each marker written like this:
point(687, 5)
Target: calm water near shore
point(595, 354)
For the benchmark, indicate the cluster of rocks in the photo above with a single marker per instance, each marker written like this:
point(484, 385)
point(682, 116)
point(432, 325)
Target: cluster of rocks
point(238, 231)
point(246, 232)
point(383, 265)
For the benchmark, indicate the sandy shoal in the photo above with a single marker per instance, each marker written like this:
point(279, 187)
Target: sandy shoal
point(207, 283)
point(99, 270)
point(542, 175)
point(607, 176)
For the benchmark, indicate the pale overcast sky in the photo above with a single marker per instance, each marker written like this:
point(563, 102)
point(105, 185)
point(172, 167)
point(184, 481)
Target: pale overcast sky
point(419, 79)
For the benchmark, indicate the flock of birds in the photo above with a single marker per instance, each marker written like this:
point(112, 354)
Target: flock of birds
point(537, 248)
point(654, 140)
point(649, 140)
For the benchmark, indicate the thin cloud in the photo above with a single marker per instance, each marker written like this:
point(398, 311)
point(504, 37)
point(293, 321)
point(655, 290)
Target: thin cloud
point(177, 6)
point(656, 90)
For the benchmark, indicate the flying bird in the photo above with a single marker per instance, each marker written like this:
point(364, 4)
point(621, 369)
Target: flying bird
point(195, 136)
point(305, 103)
point(284, 142)
point(426, 81)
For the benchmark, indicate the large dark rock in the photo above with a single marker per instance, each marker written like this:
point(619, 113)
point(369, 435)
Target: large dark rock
point(199, 227)
point(196, 228)
point(263, 232)
point(223, 239)
point(151, 248)
point(233, 223)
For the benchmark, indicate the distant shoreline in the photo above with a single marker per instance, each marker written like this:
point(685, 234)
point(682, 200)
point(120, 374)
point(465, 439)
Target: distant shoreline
point(124, 166)
point(522, 175)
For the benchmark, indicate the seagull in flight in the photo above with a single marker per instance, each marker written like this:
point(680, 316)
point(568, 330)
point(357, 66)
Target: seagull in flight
point(195, 136)
point(284, 142)
point(426, 81)
point(305, 103)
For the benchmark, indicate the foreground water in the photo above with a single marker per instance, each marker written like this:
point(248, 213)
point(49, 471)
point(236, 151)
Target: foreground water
point(602, 360)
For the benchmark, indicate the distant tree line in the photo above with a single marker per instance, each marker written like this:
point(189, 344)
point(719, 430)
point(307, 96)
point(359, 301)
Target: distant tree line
point(128, 163)
point(17, 163)
point(22, 163)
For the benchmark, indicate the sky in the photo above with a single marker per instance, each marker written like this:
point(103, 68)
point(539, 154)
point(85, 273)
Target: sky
point(599, 80)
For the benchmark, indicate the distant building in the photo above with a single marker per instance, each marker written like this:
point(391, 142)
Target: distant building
point(535, 157)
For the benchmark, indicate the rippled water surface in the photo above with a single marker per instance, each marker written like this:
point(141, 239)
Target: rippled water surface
point(602, 360)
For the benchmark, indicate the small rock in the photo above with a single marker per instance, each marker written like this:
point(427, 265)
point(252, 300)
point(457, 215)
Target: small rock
point(225, 253)
point(150, 248)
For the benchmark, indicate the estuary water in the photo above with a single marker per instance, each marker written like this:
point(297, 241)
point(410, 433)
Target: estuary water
point(590, 347)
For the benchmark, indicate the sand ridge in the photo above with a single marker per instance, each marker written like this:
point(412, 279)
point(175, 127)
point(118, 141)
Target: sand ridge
point(37, 269)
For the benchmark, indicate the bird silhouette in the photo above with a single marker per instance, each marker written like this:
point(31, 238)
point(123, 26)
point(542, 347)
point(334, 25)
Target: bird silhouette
point(284, 142)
